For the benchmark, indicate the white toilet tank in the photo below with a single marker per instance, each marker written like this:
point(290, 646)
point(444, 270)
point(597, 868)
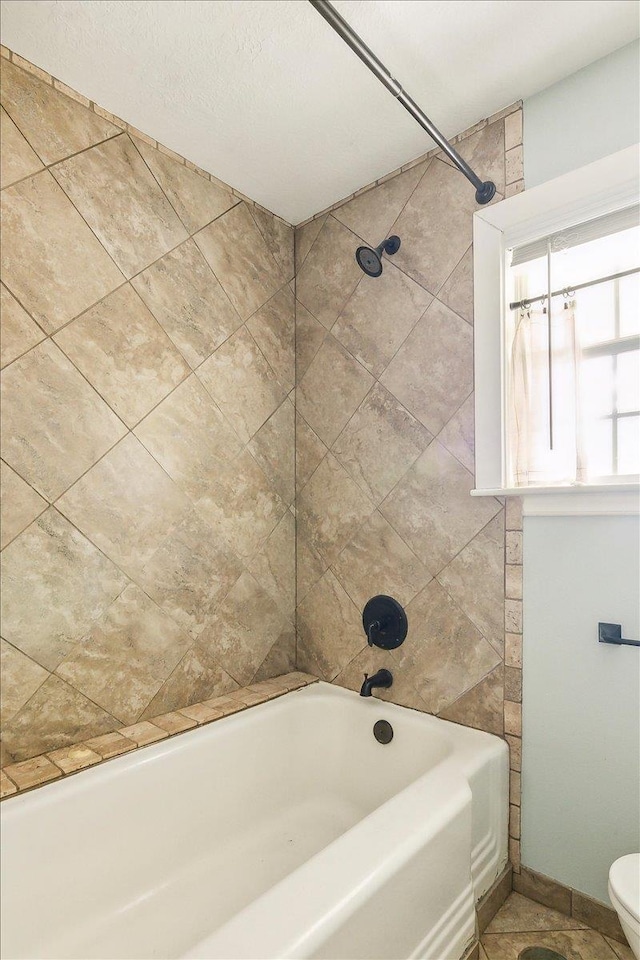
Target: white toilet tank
point(624, 891)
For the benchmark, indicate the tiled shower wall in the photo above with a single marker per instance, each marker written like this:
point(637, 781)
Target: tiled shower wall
point(148, 426)
point(385, 448)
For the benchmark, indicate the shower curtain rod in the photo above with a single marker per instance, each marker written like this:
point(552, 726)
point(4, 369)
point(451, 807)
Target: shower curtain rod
point(485, 190)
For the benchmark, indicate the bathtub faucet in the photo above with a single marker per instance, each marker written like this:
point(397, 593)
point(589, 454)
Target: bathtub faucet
point(382, 678)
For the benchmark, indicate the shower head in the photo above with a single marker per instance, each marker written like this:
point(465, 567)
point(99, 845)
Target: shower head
point(370, 260)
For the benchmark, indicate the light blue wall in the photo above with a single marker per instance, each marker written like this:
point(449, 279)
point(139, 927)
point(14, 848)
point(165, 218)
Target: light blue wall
point(584, 117)
point(581, 699)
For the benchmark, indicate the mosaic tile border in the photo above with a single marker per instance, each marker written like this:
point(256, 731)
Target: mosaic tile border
point(513, 158)
point(48, 78)
point(17, 778)
point(513, 668)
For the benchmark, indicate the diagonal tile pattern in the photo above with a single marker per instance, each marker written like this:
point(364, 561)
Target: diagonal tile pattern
point(404, 437)
point(118, 197)
point(122, 601)
point(171, 551)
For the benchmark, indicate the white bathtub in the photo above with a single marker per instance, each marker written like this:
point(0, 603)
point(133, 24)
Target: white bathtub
point(283, 831)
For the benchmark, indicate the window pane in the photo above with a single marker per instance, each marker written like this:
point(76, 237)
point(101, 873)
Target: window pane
point(628, 381)
point(629, 445)
point(595, 311)
point(630, 305)
point(599, 448)
point(596, 382)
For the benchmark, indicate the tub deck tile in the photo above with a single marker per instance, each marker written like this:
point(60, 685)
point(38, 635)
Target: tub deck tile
point(37, 771)
point(77, 757)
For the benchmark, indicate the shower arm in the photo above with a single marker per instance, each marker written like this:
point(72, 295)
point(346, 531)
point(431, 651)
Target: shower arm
point(485, 190)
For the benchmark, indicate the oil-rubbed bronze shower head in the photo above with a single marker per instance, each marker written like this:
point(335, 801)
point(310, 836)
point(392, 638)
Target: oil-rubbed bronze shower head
point(370, 260)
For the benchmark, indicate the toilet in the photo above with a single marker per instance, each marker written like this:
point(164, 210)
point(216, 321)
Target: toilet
point(624, 892)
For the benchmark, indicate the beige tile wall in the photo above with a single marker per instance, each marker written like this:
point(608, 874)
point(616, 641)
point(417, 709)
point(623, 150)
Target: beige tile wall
point(147, 426)
point(385, 449)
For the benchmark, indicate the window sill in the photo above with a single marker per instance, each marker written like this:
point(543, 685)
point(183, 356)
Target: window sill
point(598, 500)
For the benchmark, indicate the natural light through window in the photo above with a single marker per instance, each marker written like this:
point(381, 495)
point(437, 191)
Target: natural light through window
point(573, 356)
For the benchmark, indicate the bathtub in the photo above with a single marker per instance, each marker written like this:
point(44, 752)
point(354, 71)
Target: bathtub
point(284, 831)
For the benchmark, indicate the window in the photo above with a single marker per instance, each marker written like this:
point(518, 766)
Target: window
point(573, 355)
point(557, 342)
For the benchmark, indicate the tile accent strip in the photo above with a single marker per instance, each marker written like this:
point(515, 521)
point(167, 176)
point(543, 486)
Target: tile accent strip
point(123, 125)
point(17, 778)
point(513, 666)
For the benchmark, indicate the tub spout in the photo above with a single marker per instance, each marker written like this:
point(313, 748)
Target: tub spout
point(382, 678)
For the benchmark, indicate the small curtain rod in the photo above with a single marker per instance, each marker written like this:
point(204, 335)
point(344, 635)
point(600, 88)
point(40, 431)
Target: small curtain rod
point(567, 291)
point(485, 191)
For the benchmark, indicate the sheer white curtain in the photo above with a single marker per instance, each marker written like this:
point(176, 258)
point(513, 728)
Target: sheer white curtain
point(546, 438)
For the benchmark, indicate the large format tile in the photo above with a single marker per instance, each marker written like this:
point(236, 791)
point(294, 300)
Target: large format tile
point(242, 383)
point(305, 237)
point(241, 260)
point(51, 260)
point(572, 944)
point(279, 238)
point(197, 201)
point(241, 506)
point(435, 226)
point(329, 629)
point(458, 435)
point(122, 203)
point(331, 390)
point(380, 443)
point(126, 505)
point(243, 629)
point(475, 580)
point(309, 337)
point(54, 425)
point(432, 372)
point(457, 291)
point(20, 504)
point(185, 297)
point(482, 706)
point(330, 509)
point(19, 333)
point(55, 584)
point(309, 451)
point(197, 677)
point(274, 566)
point(124, 353)
point(372, 214)
point(443, 651)
point(379, 316)
point(189, 437)
point(273, 329)
point(377, 561)
point(431, 508)
point(21, 677)
point(55, 125)
point(17, 159)
point(56, 716)
point(273, 447)
point(484, 152)
point(190, 573)
point(330, 273)
point(281, 658)
point(127, 655)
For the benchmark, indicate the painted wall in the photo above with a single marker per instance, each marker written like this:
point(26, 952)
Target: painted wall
point(588, 115)
point(385, 445)
point(147, 441)
point(580, 705)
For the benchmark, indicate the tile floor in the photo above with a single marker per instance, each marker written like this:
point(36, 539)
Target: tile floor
point(521, 923)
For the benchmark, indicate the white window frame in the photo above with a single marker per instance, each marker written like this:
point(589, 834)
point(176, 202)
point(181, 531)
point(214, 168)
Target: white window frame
point(591, 191)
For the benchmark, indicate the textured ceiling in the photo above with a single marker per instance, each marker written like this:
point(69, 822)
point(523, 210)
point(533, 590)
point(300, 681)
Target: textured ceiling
point(265, 96)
